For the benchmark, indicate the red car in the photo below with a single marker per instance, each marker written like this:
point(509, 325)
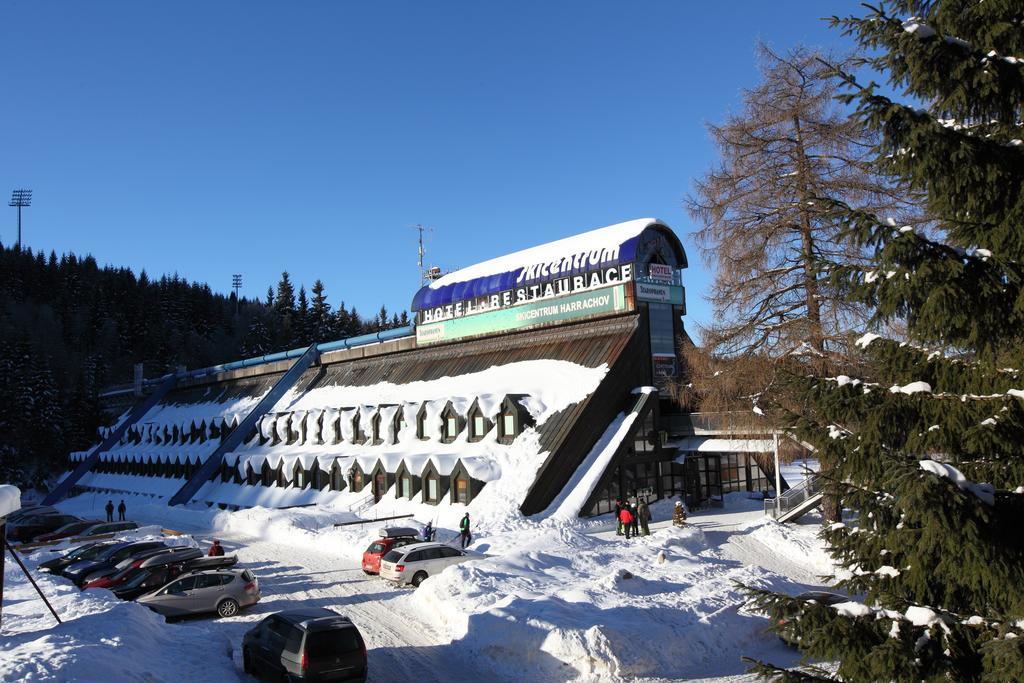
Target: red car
point(68, 530)
point(389, 540)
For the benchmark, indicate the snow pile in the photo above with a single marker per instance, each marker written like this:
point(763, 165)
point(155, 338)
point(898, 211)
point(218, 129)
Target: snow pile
point(864, 340)
point(984, 492)
point(912, 388)
point(10, 499)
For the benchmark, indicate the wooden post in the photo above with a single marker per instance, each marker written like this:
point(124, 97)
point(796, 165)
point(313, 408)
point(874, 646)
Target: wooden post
point(31, 580)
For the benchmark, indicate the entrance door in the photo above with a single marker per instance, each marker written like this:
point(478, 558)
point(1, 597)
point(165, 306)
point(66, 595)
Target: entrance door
point(380, 487)
point(713, 479)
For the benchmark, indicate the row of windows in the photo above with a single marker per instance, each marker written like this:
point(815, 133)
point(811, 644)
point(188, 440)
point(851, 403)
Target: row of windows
point(430, 486)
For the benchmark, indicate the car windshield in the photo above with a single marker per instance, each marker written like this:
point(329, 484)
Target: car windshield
point(393, 556)
point(83, 552)
point(329, 644)
point(128, 574)
point(377, 547)
point(140, 576)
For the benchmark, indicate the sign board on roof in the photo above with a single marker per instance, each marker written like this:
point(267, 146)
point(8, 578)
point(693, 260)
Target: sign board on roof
point(550, 289)
point(603, 301)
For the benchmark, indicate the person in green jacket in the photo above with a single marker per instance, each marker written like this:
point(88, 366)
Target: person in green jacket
point(464, 531)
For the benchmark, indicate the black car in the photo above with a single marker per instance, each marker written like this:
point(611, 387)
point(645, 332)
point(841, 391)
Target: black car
point(82, 572)
point(27, 528)
point(148, 579)
point(89, 551)
point(311, 645)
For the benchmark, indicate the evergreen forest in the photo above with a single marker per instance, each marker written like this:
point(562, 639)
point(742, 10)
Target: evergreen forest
point(70, 327)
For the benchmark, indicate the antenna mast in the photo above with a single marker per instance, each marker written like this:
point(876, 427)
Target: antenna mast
point(426, 274)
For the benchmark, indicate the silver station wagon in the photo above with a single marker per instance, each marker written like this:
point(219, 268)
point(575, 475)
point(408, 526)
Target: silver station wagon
point(223, 591)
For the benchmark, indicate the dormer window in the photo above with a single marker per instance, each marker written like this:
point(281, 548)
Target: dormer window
point(397, 424)
point(508, 424)
point(451, 423)
point(421, 423)
point(299, 480)
point(513, 419)
point(375, 422)
point(479, 425)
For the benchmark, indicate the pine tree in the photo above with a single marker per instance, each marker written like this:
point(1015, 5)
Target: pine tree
point(937, 557)
point(321, 323)
point(302, 333)
point(284, 309)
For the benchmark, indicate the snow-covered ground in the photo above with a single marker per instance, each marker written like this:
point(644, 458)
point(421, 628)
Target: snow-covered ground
point(545, 599)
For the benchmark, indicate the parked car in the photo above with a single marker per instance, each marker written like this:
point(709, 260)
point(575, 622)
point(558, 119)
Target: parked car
point(118, 574)
point(89, 551)
point(389, 540)
point(154, 574)
point(109, 528)
point(31, 511)
point(786, 632)
point(80, 572)
point(309, 645)
point(414, 563)
point(68, 530)
point(27, 528)
point(223, 591)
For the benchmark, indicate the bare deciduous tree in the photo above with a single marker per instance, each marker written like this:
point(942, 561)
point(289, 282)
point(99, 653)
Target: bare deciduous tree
point(769, 224)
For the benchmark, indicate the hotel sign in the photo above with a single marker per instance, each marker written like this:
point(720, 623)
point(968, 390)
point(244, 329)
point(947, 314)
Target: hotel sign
point(661, 273)
point(553, 287)
point(603, 301)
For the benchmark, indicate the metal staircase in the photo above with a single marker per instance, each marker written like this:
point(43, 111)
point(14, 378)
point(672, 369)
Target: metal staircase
point(797, 501)
point(134, 415)
point(235, 438)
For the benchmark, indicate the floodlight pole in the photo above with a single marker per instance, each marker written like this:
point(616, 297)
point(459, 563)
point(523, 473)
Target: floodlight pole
point(236, 284)
point(20, 198)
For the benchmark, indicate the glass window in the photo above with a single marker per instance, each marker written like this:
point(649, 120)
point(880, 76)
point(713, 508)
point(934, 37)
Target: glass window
point(414, 556)
point(393, 556)
point(181, 585)
point(406, 486)
point(452, 426)
point(293, 641)
point(300, 477)
point(478, 425)
point(431, 488)
point(327, 645)
point(461, 490)
point(508, 425)
point(449, 552)
point(662, 329)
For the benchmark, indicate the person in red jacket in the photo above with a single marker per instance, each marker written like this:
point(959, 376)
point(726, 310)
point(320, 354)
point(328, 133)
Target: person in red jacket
point(216, 550)
point(626, 517)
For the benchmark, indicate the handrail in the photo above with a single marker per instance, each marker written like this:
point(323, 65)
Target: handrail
point(794, 497)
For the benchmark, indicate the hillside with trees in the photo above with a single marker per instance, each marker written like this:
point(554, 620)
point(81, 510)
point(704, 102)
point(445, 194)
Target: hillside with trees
point(69, 327)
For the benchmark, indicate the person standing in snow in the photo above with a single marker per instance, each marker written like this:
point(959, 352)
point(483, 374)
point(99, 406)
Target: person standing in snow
point(644, 514)
point(121, 509)
point(216, 550)
point(464, 531)
point(635, 523)
point(678, 514)
point(428, 532)
point(618, 520)
point(110, 510)
point(626, 520)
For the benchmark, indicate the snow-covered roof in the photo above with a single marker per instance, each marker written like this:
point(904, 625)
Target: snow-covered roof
point(610, 245)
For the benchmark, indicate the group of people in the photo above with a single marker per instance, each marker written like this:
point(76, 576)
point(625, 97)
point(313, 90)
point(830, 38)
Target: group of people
point(465, 537)
point(121, 510)
point(634, 518)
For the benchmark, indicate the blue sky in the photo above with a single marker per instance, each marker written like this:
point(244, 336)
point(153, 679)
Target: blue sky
point(211, 138)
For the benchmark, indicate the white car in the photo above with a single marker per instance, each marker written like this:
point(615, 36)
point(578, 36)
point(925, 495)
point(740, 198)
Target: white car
point(413, 563)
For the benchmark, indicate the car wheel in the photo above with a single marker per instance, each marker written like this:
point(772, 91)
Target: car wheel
point(227, 608)
point(246, 660)
point(418, 578)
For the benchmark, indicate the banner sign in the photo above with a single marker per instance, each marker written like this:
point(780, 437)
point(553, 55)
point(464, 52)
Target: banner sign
point(557, 287)
point(669, 294)
point(586, 304)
